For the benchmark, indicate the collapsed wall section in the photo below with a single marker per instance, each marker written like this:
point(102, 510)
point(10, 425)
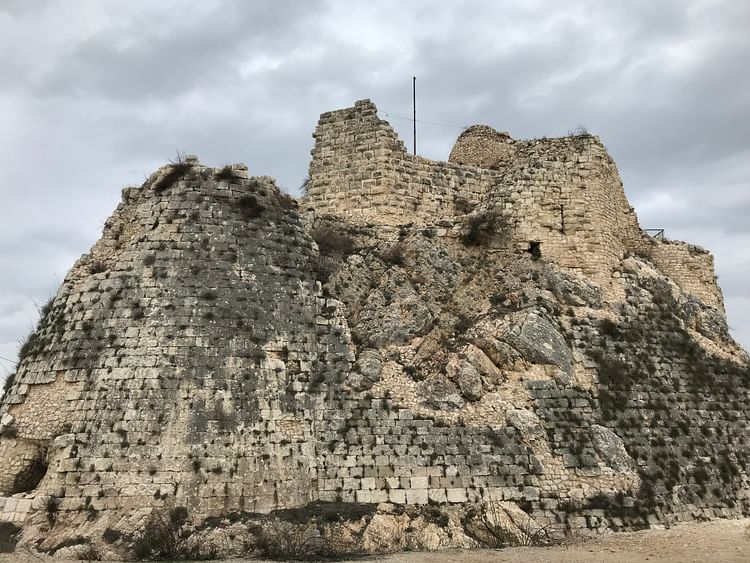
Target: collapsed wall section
point(690, 267)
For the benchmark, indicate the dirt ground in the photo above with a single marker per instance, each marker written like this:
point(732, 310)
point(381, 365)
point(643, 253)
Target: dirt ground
point(721, 541)
point(725, 541)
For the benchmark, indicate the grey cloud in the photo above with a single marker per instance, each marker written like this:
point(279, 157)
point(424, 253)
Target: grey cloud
point(141, 60)
point(22, 8)
point(101, 103)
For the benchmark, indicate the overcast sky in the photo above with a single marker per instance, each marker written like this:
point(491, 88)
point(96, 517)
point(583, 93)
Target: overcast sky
point(95, 95)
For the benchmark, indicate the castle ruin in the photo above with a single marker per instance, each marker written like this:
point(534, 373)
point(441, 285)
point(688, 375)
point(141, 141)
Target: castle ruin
point(412, 342)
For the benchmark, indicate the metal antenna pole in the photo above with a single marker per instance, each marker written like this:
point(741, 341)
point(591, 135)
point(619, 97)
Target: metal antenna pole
point(414, 106)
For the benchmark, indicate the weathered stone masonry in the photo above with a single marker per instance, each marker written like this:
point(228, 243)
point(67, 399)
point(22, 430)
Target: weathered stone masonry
point(175, 357)
point(564, 193)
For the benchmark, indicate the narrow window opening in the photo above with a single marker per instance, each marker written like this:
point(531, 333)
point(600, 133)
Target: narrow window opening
point(562, 219)
point(535, 249)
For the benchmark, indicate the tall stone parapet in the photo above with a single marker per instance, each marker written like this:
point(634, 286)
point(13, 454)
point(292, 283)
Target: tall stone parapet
point(562, 195)
point(361, 171)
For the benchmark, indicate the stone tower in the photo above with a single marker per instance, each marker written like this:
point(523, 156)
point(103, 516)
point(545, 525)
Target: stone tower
point(169, 367)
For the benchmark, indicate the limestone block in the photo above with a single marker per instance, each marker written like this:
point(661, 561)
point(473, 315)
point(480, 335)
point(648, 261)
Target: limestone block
point(437, 496)
point(368, 483)
point(416, 496)
point(330, 496)
point(397, 496)
point(23, 506)
point(454, 495)
point(419, 482)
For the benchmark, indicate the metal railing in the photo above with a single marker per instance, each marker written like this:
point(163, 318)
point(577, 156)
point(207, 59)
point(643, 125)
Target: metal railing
point(655, 233)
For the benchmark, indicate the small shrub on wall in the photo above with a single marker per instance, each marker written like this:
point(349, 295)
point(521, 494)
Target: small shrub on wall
point(249, 207)
point(483, 228)
point(331, 242)
point(334, 248)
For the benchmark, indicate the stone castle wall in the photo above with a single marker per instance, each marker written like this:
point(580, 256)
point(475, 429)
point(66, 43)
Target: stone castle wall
point(691, 267)
point(360, 171)
point(563, 193)
point(193, 358)
point(195, 331)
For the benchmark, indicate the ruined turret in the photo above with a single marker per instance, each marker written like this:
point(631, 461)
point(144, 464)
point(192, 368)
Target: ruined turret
point(172, 366)
point(483, 147)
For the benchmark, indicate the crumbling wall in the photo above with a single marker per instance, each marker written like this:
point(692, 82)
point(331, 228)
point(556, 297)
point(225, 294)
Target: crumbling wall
point(483, 147)
point(563, 193)
point(360, 171)
point(36, 414)
point(690, 267)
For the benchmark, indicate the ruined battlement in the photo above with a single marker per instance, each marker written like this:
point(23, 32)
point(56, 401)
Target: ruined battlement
point(564, 195)
point(360, 170)
point(483, 147)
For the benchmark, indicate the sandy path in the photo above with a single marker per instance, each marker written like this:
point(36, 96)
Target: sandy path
point(721, 541)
